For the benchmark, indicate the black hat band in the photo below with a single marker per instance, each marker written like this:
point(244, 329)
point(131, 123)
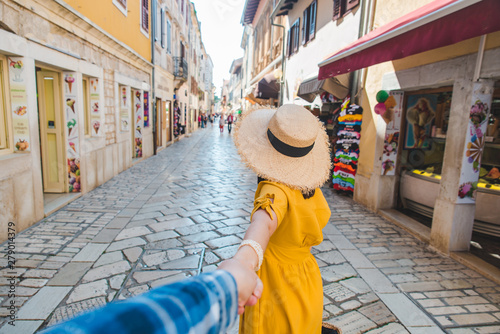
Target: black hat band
point(288, 150)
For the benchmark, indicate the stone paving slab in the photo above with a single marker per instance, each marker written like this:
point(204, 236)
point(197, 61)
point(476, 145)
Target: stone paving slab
point(147, 226)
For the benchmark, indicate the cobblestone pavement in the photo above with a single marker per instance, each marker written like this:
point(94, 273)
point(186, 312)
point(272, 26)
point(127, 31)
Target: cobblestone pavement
point(186, 209)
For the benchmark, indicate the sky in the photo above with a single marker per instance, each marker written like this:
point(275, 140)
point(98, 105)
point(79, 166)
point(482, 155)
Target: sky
point(221, 33)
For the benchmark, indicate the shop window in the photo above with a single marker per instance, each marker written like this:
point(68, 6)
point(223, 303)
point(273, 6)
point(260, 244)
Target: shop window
point(293, 38)
point(309, 23)
point(3, 110)
point(145, 15)
point(342, 7)
point(425, 128)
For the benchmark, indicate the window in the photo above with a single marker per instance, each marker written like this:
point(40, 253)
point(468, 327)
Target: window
point(4, 141)
point(145, 15)
point(163, 28)
point(169, 37)
point(293, 38)
point(342, 7)
point(157, 24)
point(309, 23)
point(86, 105)
point(121, 5)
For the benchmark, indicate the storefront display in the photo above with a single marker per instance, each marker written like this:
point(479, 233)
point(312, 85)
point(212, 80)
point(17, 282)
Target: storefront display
point(347, 148)
point(422, 156)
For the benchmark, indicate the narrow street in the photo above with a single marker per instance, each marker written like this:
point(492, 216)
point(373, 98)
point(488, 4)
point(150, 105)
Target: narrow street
point(186, 209)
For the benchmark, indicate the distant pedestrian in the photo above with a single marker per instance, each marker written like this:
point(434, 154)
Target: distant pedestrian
point(199, 120)
point(288, 149)
point(211, 119)
point(205, 120)
point(229, 122)
point(221, 123)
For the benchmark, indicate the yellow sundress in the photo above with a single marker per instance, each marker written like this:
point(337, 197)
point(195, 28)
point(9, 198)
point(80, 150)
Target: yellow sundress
point(292, 300)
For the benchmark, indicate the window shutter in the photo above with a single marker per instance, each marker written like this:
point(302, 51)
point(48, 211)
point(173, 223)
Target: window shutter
point(304, 26)
point(312, 20)
point(351, 4)
point(337, 9)
point(163, 28)
point(145, 15)
point(297, 36)
point(288, 42)
point(169, 37)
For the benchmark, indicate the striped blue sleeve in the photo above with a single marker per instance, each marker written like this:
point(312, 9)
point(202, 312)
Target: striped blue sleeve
point(203, 304)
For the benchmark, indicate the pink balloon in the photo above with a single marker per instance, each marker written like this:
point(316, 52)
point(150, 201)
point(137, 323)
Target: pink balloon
point(380, 108)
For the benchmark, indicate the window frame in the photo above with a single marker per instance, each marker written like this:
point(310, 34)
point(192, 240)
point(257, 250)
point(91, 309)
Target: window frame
point(293, 38)
point(343, 7)
point(6, 144)
point(121, 7)
point(144, 10)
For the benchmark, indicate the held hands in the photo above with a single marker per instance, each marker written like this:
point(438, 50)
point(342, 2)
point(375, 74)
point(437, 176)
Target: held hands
point(249, 284)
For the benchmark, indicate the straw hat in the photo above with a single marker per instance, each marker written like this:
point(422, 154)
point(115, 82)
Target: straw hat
point(288, 145)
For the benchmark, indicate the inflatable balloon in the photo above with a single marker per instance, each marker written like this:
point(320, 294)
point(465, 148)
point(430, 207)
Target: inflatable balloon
point(380, 108)
point(382, 95)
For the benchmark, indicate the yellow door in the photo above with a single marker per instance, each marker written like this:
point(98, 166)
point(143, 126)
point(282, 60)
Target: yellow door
point(51, 131)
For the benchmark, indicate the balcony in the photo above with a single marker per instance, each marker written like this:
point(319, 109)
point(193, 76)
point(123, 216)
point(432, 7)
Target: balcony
point(180, 68)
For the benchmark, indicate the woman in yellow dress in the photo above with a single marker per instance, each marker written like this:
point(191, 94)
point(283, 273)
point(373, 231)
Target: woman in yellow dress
point(288, 148)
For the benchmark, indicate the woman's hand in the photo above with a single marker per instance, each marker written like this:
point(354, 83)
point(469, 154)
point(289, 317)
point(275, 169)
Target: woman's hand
point(248, 283)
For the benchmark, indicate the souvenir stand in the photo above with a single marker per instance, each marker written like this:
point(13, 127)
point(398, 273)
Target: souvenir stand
point(347, 147)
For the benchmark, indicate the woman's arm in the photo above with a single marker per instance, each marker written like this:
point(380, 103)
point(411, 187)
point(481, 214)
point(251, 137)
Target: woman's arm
point(260, 230)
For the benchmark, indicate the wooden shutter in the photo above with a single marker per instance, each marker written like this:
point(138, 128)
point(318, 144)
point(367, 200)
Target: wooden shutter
point(312, 20)
point(351, 4)
point(145, 15)
point(288, 42)
point(337, 9)
point(296, 36)
point(163, 28)
point(169, 37)
point(304, 26)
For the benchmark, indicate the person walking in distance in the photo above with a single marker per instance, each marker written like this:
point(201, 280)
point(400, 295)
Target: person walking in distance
point(229, 122)
point(221, 123)
point(288, 149)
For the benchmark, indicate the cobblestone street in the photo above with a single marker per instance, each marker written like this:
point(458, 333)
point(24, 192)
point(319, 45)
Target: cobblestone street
point(186, 209)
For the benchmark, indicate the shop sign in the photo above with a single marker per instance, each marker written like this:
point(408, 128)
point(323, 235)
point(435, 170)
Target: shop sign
point(392, 131)
point(139, 123)
point(473, 151)
point(95, 111)
point(124, 108)
point(72, 138)
point(19, 104)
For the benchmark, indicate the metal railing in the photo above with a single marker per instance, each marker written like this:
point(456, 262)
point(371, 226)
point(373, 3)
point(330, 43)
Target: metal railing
point(180, 67)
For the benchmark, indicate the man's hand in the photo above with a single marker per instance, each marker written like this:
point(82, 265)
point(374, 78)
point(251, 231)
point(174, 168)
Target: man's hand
point(249, 284)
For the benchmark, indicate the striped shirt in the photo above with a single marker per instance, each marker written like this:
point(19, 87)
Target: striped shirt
point(203, 304)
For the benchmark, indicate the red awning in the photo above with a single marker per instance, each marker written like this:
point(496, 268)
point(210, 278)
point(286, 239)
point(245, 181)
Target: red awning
point(437, 24)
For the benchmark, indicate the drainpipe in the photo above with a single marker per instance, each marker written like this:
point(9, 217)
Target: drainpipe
point(365, 26)
point(153, 97)
point(282, 81)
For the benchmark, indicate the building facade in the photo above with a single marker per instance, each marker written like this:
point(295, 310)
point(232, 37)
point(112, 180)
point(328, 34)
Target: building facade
point(85, 86)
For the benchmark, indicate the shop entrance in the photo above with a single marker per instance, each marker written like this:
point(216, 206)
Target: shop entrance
point(424, 132)
point(167, 110)
point(51, 131)
point(159, 123)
